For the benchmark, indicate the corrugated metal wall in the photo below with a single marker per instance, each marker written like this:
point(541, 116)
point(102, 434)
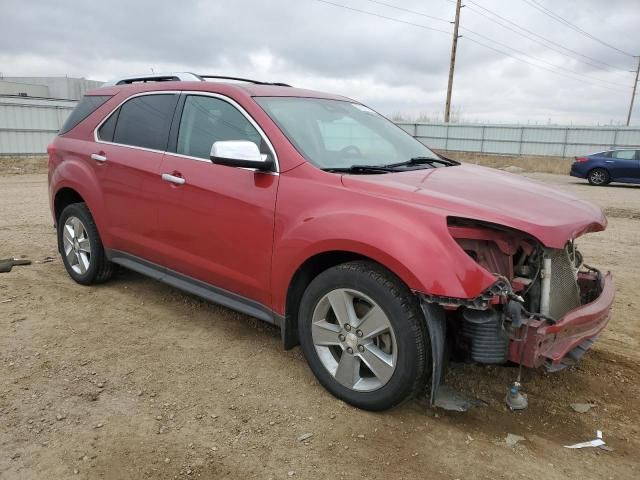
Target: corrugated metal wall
point(27, 125)
point(522, 139)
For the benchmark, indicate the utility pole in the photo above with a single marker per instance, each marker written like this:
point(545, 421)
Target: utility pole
point(633, 95)
point(452, 63)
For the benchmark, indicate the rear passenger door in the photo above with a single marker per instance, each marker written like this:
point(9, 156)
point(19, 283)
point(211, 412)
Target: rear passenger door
point(216, 221)
point(132, 141)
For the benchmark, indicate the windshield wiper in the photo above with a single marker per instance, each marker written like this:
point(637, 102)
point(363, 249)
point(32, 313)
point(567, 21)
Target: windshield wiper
point(361, 169)
point(423, 161)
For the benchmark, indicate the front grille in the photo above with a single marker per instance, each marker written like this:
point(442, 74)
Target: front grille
point(565, 293)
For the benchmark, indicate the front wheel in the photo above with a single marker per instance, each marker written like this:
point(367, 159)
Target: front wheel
point(362, 333)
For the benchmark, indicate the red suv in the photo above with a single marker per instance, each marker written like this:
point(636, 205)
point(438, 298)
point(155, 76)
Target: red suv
point(312, 212)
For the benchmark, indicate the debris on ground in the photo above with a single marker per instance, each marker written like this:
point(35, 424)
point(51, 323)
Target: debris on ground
point(596, 442)
point(512, 440)
point(305, 436)
point(582, 407)
point(45, 260)
point(6, 264)
point(513, 169)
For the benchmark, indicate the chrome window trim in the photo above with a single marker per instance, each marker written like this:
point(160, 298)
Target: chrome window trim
point(224, 98)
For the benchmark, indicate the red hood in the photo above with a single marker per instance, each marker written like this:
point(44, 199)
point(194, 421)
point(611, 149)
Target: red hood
point(552, 216)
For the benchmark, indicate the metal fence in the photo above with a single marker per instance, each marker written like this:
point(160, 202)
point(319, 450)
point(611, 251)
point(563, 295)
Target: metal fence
point(561, 141)
point(28, 124)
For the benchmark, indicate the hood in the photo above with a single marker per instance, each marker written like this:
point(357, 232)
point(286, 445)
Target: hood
point(469, 191)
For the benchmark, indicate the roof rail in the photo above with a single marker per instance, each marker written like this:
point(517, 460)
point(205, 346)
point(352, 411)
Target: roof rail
point(182, 77)
point(240, 79)
point(156, 77)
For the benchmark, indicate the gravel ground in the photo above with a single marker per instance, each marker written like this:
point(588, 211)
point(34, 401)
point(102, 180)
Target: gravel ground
point(134, 379)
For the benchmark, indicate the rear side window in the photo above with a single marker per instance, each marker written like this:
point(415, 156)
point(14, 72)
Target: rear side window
point(624, 154)
point(141, 122)
point(86, 107)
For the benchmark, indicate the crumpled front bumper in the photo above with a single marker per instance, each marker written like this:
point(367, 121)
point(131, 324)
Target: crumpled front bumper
point(551, 345)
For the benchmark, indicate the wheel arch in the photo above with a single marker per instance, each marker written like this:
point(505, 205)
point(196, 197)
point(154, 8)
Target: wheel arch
point(63, 198)
point(303, 276)
point(73, 181)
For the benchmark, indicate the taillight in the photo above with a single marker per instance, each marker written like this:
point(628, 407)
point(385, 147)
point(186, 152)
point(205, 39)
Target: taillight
point(582, 159)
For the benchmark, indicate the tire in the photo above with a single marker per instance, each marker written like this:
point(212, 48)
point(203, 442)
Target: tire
point(598, 177)
point(81, 248)
point(385, 368)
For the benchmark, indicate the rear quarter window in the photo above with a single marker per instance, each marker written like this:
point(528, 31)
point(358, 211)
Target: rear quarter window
point(88, 105)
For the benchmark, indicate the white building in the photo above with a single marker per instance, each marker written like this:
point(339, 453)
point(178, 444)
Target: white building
point(67, 88)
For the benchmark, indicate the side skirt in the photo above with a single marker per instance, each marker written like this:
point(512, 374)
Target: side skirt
point(195, 287)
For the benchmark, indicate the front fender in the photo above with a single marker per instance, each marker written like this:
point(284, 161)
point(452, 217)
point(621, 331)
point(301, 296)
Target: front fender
point(411, 241)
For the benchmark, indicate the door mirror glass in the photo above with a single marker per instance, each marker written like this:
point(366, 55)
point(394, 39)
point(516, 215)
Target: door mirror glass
point(239, 153)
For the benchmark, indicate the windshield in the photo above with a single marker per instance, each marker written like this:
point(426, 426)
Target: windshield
point(335, 134)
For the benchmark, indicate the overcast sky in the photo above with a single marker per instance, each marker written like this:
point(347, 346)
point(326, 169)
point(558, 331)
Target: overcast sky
point(394, 67)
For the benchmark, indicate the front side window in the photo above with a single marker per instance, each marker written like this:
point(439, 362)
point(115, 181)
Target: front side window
point(141, 122)
point(206, 120)
point(334, 134)
point(624, 154)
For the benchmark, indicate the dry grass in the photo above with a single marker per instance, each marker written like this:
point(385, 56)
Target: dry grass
point(537, 164)
point(18, 164)
point(38, 163)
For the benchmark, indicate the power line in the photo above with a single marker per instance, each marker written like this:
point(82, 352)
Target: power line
point(580, 79)
point(383, 16)
point(539, 42)
point(414, 12)
point(544, 39)
point(395, 7)
point(538, 6)
point(506, 54)
point(560, 67)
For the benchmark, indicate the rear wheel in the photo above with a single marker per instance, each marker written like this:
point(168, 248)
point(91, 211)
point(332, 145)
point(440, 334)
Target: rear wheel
point(598, 177)
point(362, 333)
point(79, 243)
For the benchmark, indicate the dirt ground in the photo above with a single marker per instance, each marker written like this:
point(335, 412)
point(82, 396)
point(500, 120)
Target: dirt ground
point(134, 379)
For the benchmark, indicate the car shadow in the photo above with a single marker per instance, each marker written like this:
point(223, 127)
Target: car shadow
point(611, 185)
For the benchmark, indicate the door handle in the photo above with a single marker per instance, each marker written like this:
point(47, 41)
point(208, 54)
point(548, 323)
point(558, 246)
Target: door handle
point(98, 158)
point(167, 177)
point(608, 161)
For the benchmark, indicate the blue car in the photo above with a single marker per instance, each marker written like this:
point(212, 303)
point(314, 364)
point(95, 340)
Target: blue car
point(602, 168)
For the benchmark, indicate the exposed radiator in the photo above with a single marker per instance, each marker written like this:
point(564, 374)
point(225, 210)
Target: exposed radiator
point(564, 294)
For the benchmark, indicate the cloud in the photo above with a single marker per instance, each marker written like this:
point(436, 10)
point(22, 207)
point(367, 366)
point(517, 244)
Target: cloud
point(392, 66)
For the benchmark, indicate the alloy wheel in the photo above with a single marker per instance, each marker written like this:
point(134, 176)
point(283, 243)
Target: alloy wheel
point(354, 340)
point(598, 177)
point(76, 244)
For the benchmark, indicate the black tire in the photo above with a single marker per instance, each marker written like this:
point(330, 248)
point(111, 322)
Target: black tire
point(405, 316)
point(100, 268)
point(599, 177)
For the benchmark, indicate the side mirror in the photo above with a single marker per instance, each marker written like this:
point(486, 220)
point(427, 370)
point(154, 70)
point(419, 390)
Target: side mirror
point(239, 153)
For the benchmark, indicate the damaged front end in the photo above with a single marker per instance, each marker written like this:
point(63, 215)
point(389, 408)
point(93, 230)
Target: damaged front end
point(545, 308)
